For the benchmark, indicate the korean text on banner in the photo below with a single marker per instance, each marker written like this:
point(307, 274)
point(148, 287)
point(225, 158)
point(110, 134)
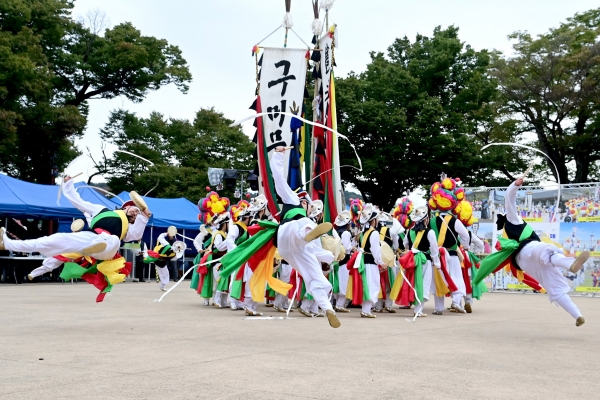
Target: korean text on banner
point(282, 82)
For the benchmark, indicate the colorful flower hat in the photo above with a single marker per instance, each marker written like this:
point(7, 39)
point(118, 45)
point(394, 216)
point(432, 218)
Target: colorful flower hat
point(239, 210)
point(445, 195)
point(464, 212)
point(402, 212)
point(213, 208)
point(356, 207)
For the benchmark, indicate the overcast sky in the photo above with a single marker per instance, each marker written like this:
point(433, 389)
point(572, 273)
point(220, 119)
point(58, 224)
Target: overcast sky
point(216, 38)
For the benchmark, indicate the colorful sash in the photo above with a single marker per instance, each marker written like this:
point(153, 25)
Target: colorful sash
point(102, 275)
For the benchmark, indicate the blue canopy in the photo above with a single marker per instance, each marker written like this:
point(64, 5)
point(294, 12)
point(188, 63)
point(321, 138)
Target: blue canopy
point(181, 213)
point(21, 199)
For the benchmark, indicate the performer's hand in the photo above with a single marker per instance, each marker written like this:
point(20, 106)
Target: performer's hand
point(67, 178)
point(147, 212)
point(519, 182)
point(280, 149)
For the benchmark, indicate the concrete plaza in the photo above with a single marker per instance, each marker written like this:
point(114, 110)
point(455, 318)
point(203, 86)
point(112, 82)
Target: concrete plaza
point(57, 343)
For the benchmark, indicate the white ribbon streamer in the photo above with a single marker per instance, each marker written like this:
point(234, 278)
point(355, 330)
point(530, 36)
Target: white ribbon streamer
point(182, 278)
point(541, 152)
point(102, 190)
point(287, 314)
point(185, 237)
point(411, 286)
point(306, 122)
point(135, 155)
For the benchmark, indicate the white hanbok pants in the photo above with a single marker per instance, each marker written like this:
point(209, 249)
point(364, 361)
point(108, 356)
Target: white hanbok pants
point(545, 263)
point(48, 265)
point(163, 275)
point(301, 256)
point(372, 272)
point(285, 272)
point(60, 243)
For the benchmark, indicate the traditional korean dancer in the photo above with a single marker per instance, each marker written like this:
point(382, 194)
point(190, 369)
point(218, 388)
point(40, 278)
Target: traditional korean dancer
point(450, 233)
point(522, 248)
point(417, 262)
point(51, 263)
point(160, 256)
point(295, 236)
point(342, 228)
point(102, 241)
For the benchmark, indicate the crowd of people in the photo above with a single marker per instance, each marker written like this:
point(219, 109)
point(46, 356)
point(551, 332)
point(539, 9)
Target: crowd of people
point(373, 259)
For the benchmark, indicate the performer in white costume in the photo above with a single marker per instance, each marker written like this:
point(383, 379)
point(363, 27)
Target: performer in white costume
point(449, 231)
point(219, 248)
point(543, 261)
point(237, 233)
point(295, 236)
point(371, 248)
point(51, 263)
point(342, 228)
point(101, 242)
point(425, 243)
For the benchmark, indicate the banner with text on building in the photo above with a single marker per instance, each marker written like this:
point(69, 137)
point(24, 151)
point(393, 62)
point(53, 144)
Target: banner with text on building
point(575, 227)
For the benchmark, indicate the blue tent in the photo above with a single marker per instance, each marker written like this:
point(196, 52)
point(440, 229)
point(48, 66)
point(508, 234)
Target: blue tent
point(21, 199)
point(181, 213)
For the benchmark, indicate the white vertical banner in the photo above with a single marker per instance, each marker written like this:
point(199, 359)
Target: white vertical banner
point(326, 44)
point(282, 82)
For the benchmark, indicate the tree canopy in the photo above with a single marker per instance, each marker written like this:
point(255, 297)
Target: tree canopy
point(550, 86)
point(182, 152)
point(51, 65)
point(425, 108)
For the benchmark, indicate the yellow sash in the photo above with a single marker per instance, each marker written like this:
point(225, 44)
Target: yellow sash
point(363, 243)
point(418, 239)
point(443, 230)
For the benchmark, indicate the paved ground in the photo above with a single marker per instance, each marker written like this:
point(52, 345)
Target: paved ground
point(131, 348)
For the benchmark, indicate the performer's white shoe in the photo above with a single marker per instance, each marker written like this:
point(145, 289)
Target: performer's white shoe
point(579, 261)
point(457, 308)
point(334, 322)
point(250, 313)
point(30, 277)
point(468, 308)
point(305, 313)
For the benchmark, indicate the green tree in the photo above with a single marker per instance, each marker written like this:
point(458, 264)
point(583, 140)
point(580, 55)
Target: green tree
point(551, 86)
point(182, 152)
point(425, 108)
point(51, 65)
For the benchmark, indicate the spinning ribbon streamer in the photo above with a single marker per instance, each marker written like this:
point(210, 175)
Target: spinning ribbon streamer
point(148, 161)
point(541, 152)
point(182, 278)
point(102, 190)
point(306, 122)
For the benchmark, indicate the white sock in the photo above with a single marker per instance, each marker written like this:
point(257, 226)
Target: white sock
point(565, 302)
